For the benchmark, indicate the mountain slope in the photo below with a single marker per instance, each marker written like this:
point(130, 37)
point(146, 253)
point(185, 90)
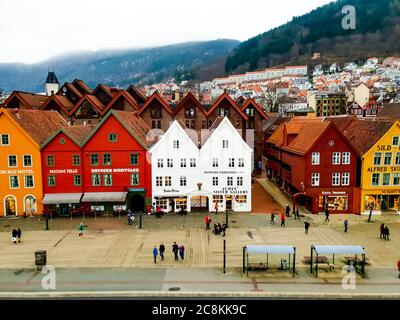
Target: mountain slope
point(122, 67)
point(377, 33)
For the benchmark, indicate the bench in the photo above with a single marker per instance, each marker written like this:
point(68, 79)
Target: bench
point(355, 259)
point(321, 259)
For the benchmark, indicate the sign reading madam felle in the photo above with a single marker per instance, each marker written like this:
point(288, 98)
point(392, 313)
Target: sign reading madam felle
point(230, 190)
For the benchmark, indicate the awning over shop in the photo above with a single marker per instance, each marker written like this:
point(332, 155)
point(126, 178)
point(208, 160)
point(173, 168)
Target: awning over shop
point(62, 198)
point(104, 197)
point(199, 193)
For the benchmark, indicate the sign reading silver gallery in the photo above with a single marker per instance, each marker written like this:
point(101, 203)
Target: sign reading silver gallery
point(231, 190)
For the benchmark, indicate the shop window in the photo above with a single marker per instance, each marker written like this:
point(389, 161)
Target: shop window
point(396, 179)
point(183, 163)
point(162, 204)
point(94, 159)
point(107, 159)
point(183, 181)
point(215, 162)
point(229, 181)
point(242, 198)
point(315, 179)
point(76, 160)
point(159, 181)
point(215, 181)
point(346, 158)
point(27, 160)
point(135, 179)
point(5, 140)
point(231, 162)
point(333, 203)
point(168, 181)
point(336, 158)
point(51, 181)
point(28, 181)
point(240, 181)
point(170, 163)
point(193, 162)
point(96, 180)
point(345, 179)
point(180, 203)
point(335, 179)
point(14, 182)
point(134, 159)
point(30, 204)
point(396, 141)
point(77, 180)
point(217, 198)
point(160, 163)
point(377, 158)
point(241, 162)
point(12, 161)
point(385, 179)
point(112, 137)
point(108, 180)
point(375, 179)
point(388, 159)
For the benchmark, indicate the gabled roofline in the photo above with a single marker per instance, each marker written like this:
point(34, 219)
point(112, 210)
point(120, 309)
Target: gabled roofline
point(53, 97)
point(116, 116)
point(233, 103)
point(16, 93)
point(117, 96)
point(191, 97)
point(101, 86)
point(84, 97)
point(156, 96)
point(62, 130)
point(256, 105)
point(137, 91)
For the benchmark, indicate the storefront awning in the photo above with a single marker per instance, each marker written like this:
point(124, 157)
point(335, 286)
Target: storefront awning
point(104, 197)
point(62, 198)
point(198, 193)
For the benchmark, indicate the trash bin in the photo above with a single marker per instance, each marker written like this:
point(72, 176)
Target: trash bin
point(283, 264)
point(40, 258)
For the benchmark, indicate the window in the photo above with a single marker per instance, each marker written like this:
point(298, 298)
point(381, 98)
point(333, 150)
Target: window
point(241, 198)
point(336, 158)
point(159, 181)
point(112, 137)
point(107, 159)
point(50, 160)
point(241, 162)
point(176, 144)
point(153, 125)
point(396, 141)
point(217, 198)
point(94, 159)
point(168, 181)
point(240, 181)
point(160, 163)
point(135, 179)
point(231, 162)
point(386, 179)
point(315, 158)
point(396, 179)
point(375, 179)
point(215, 181)
point(158, 124)
point(12, 161)
point(183, 163)
point(77, 180)
point(388, 159)
point(29, 181)
point(345, 179)
point(155, 113)
point(204, 124)
point(96, 180)
point(215, 162)
point(377, 159)
point(134, 159)
point(225, 144)
point(346, 158)
point(5, 140)
point(108, 179)
point(397, 160)
point(315, 179)
point(51, 181)
point(27, 160)
point(336, 179)
point(189, 112)
point(76, 160)
point(193, 162)
point(183, 181)
point(230, 181)
point(170, 163)
point(223, 112)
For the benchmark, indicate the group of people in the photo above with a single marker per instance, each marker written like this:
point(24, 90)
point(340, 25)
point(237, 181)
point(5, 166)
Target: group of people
point(176, 249)
point(218, 228)
point(16, 235)
point(385, 232)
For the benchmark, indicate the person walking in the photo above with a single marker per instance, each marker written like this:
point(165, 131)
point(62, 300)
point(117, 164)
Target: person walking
point(216, 207)
point(272, 218)
point(155, 254)
point(287, 210)
point(306, 227)
point(283, 218)
point(175, 249)
point(182, 252)
point(297, 214)
point(223, 229)
point(208, 221)
point(387, 233)
point(346, 225)
point(326, 215)
point(81, 229)
point(14, 235)
point(162, 250)
point(19, 234)
point(398, 267)
point(382, 229)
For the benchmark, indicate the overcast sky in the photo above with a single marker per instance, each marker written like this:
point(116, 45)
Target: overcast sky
point(33, 30)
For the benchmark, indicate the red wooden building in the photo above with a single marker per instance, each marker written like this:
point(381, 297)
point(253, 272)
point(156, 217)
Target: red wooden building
point(314, 162)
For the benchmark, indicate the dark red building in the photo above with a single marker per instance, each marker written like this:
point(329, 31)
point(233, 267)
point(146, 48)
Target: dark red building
point(315, 163)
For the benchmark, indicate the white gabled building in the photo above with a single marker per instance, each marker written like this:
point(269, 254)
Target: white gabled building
point(185, 177)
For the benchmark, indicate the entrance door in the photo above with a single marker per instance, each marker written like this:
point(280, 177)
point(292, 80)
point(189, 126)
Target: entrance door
point(10, 206)
point(64, 209)
point(137, 203)
point(228, 202)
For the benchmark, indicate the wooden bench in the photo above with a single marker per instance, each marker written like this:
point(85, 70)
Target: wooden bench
point(321, 259)
point(354, 259)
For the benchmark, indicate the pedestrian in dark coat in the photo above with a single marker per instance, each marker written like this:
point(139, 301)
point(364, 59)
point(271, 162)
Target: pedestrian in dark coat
point(182, 252)
point(346, 225)
point(387, 233)
point(175, 249)
point(398, 267)
point(297, 214)
point(306, 227)
point(19, 234)
point(14, 235)
point(155, 254)
point(382, 229)
point(326, 215)
point(162, 250)
point(287, 210)
point(272, 218)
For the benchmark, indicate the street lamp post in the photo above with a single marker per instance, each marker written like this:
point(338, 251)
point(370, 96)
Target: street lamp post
point(140, 219)
point(47, 221)
point(371, 207)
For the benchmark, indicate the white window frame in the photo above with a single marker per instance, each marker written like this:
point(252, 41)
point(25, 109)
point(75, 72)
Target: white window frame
point(375, 157)
point(23, 160)
point(1, 139)
point(372, 179)
point(183, 162)
point(384, 159)
point(315, 179)
point(215, 162)
point(182, 181)
point(315, 158)
point(106, 184)
point(33, 181)
point(346, 158)
point(396, 174)
point(168, 181)
point(193, 162)
point(229, 181)
point(16, 160)
point(345, 178)
point(241, 162)
point(336, 157)
point(385, 174)
point(231, 163)
point(335, 179)
point(397, 159)
point(215, 181)
point(19, 184)
point(176, 144)
point(170, 163)
point(398, 141)
point(239, 181)
point(225, 144)
point(160, 163)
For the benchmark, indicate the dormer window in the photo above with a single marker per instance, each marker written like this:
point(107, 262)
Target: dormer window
point(156, 113)
point(190, 112)
point(223, 112)
point(250, 112)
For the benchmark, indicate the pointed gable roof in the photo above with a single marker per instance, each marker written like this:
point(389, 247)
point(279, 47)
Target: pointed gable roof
point(51, 77)
point(251, 102)
point(81, 86)
point(27, 99)
point(93, 101)
point(77, 134)
point(62, 101)
point(156, 97)
point(225, 96)
point(105, 89)
point(71, 87)
point(189, 97)
point(137, 94)
point(125, 95)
